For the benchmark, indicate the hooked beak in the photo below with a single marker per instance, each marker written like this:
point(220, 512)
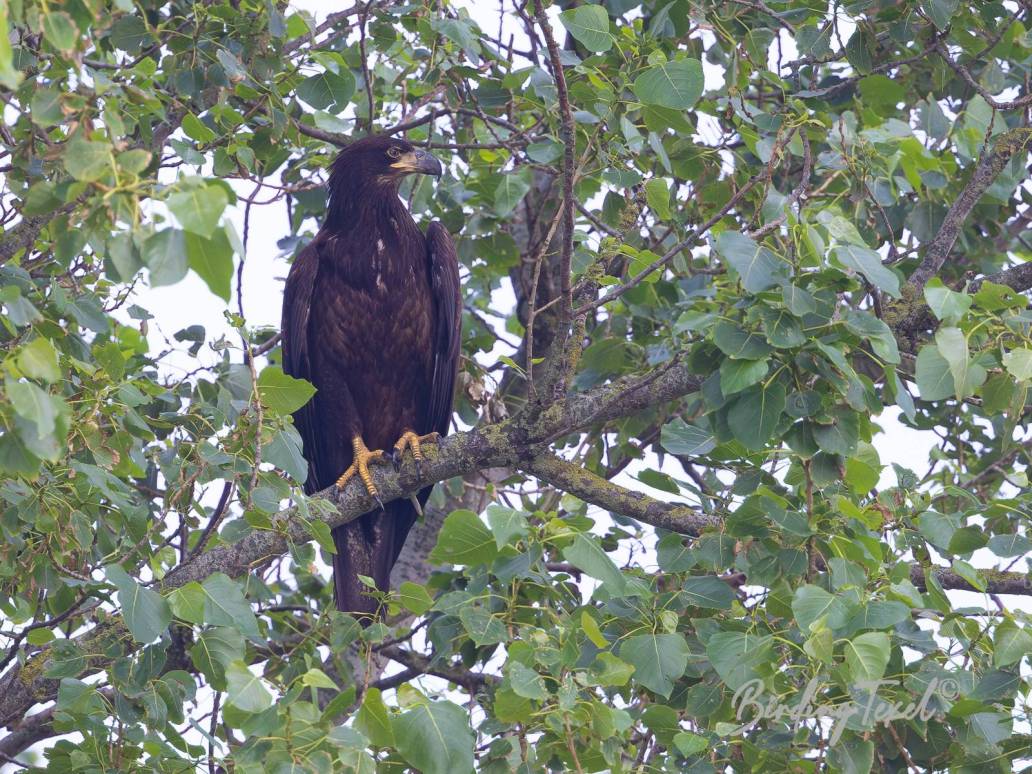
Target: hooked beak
point(419, 161)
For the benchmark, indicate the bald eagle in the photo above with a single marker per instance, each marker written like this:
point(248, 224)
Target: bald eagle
point(371, 317)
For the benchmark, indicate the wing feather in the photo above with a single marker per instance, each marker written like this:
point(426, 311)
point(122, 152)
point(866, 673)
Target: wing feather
point(297, 304)
point(444, 284)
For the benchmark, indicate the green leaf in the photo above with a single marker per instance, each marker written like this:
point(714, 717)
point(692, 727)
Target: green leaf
point(38, 360)
point(739, 343)
point(589, 25)
point(680, 438)
point(736, 375)
point(1010, 644)
point(526, 682)
point(225, 605)
point(435, 738)
point(482, 627)
point(586, 554)
point(199, 208)
point(9, 76)
point(187, 602)
point(507, 524)
point(1010, 545)
point(658, 660)
point(967, 375)
point(867, 326)
point(60, 31)
point(374, 721)
point(755, 414)
point(868, 655)
point(212, 259)
point(32, 404)
point(510, 191)
point(146, 613)
point(839, 435)
point(757, 267)
point(1019, 363)
point(414, 598)
point(810, 603)
point(657, 195)
point(165, 255)
point(940, 11)
point(709, 592)
point(869, 263)
point(196, 129)
point(327, 89)
point(245, 690)
point(214, 650)
point(782, 328)
point(86, 160)
point(739, 657)
point(283, 394)
point(948, 305)
point(463, 539)
point(934, 380)
point(676, 84)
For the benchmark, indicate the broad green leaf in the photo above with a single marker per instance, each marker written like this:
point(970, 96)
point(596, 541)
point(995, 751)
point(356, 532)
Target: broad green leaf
point(736, 375)
point(482, 627)
point(589, 25)
point(510, 191)
point(676, 84)
point(1010, 644)
point(867, 655)
point(164, 254)
point(526, 682)
point(838, 434)
point(146, 613)
point(586, 554)
point(199, 208)
point(327, 89)
point(867, 326)
point(212, 259)
point(940, 11)
point(283, 394)
point(1019, 363)
point(610, 670)
point(757, 267)
point(464, 539)
point(739, 343)
point(435, 738)
point(38, 360)
point(967, 375)
point(934, 379)
point(414, 598)
point(214, 650)
point(739, 657)
point(507, 524)
point(782, 328)
point(680, 438)
point(9, 76)
point(709, 592)
point(869, 263)
point(245, 690)
point(657, 196)
point(373, 719)
point(811, 603)
point(60, 31)
point(948, 305)
point(658, 659)
point(225, 605)
point(755, 414)
point(86, 160)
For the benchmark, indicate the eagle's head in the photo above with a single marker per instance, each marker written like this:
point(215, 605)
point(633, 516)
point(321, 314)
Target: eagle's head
point(383, 160)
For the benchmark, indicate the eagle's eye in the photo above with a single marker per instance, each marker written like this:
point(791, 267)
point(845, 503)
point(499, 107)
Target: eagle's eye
point(394, 151)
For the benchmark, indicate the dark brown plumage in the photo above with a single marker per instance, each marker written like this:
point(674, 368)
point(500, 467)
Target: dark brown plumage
point(371, 316)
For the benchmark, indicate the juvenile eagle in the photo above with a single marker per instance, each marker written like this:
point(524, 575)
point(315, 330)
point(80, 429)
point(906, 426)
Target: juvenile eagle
point(371, 316)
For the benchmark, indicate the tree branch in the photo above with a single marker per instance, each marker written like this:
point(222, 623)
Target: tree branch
point(986, 171)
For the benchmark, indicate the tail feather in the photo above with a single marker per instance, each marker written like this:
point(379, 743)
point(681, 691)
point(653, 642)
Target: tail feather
point(369, 546)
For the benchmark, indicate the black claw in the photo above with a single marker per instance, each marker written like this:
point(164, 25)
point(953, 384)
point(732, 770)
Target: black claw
point(395, 459)
point(379, 502)
point(419, 469)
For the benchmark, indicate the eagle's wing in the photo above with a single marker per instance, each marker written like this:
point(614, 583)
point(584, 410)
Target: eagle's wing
point(297, 304)
point(444, 285)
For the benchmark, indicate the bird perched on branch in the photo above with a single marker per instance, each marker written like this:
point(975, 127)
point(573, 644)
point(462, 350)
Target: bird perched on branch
point(371, 317)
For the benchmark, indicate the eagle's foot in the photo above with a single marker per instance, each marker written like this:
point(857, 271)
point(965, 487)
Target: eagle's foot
point(410, 440)
point(360, 467)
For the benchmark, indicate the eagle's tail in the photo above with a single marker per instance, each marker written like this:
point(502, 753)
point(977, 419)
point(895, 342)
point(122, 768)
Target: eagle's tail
point(369, 546)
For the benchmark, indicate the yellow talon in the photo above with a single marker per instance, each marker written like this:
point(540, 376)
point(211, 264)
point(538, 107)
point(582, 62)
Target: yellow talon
point(410, 440)
point(362, 458)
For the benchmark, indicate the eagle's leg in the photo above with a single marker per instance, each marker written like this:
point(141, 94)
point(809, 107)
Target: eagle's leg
point(360, 467)
point(410, 440)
